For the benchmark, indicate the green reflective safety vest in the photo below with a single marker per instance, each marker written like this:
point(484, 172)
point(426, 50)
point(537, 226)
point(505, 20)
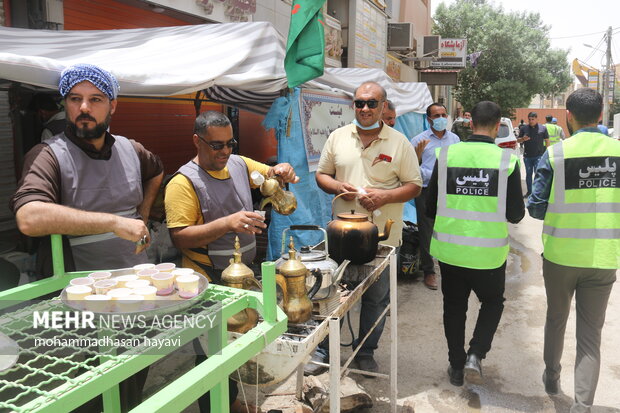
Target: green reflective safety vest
point(554, 133)
point(582, 222)
point(470, 227)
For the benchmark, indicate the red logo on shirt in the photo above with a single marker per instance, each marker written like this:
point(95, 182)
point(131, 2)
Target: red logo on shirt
point(382, 158)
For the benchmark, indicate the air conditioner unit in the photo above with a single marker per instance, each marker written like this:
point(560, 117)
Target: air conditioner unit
point(400, 36)
point(430, 47)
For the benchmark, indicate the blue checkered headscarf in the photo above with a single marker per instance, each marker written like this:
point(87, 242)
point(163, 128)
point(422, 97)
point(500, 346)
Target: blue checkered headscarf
point(102, 79)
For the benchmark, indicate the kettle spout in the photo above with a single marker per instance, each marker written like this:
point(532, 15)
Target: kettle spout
point(339, 272)
point(264, 203)
point(386, 231)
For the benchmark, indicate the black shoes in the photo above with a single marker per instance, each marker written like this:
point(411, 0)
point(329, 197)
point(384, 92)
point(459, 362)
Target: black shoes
point(367, 363)
point(456, 376)
point(473, 370)
point(552, 387)
point(312, 369)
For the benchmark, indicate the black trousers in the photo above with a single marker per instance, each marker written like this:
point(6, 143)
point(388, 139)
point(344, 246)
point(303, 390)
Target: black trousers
point(425, 228)
point(456, 285)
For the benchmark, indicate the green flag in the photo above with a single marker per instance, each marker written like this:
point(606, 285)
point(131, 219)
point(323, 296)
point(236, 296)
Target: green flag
point(305, 49)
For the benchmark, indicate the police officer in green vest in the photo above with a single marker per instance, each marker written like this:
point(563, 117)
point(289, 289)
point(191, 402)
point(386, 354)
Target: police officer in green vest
point(577, 192)
point(475, 188)
point(555, 132)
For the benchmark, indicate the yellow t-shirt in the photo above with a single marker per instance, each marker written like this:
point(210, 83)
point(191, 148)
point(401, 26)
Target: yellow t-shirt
point(387, 163)
point(183, 207)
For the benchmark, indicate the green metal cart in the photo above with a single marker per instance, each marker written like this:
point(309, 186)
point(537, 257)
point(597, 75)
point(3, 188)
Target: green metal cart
point(63, 379)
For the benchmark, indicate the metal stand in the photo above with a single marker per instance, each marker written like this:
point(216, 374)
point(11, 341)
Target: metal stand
point(336, 372)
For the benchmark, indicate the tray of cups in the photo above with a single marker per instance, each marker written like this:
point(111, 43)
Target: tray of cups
point(144, 289)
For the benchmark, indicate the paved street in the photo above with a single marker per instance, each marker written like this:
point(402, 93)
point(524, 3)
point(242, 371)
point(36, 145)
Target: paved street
point(512, 370)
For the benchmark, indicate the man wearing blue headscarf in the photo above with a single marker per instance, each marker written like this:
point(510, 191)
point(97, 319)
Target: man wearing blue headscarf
point(94, 187)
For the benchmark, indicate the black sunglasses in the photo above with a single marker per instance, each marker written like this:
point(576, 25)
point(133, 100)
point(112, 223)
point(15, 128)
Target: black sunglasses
point(372, 104)
point(218, 146)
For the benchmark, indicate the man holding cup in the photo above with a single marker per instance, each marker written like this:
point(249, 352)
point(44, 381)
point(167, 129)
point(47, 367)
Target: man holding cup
point(208, 203)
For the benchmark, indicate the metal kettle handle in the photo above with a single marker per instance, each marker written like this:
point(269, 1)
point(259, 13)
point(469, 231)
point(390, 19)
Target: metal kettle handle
point(302, 228)
point(356, 194)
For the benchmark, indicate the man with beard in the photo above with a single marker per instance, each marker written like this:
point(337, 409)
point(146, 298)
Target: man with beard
point(104, 211)
point(94, 187)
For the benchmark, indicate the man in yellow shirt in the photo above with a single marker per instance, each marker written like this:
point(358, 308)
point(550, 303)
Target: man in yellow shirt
point(208, 203)
point(208, 200)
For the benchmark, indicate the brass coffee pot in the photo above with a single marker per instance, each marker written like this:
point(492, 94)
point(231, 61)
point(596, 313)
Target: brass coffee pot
point(297, 304)
point(283, 202)
point(239, 275)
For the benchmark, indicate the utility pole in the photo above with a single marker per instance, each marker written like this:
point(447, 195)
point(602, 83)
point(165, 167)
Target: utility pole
point(606, 78)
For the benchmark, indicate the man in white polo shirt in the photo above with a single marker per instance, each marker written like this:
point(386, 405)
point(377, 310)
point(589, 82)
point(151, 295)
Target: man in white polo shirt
point(370, 156)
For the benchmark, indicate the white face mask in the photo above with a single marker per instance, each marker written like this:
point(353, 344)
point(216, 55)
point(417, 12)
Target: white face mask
point(440, 124)
point(373, 126)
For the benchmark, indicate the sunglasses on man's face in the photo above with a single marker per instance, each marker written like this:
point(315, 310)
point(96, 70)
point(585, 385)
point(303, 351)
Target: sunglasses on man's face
point(372, 104)
point(218, 146)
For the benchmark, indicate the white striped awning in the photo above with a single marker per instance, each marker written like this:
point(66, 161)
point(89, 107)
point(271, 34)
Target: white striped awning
point(238, 64)
point(406, 96)
point(155, 61)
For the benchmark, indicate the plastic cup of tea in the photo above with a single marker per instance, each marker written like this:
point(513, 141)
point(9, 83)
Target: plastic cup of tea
point(181, 271)
point(149, 292)
point(165, 267)
point(124, 279)
point(130, 303)
point(150, 295)
point(119, 293)
point(82, 281)
point(147, 273)
point(187, 285)
point(164, 282)
point(263, 213)
point(140, 267)
point(100, 275)
point(133, 284)
point(78, 292)
point(103, 286)
point(98, 303)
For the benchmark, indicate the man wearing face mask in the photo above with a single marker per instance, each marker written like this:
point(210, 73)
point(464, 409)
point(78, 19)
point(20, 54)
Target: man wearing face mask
point(462, 126)
point(425, 144)
point(378, 159)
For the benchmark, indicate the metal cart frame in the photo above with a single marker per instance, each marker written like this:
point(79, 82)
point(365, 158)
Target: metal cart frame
point(86, 382)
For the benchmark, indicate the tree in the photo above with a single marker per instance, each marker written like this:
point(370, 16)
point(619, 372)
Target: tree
point(516, 61)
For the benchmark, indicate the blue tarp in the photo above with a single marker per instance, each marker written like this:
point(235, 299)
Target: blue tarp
point(411, 124)
point(313, 205)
